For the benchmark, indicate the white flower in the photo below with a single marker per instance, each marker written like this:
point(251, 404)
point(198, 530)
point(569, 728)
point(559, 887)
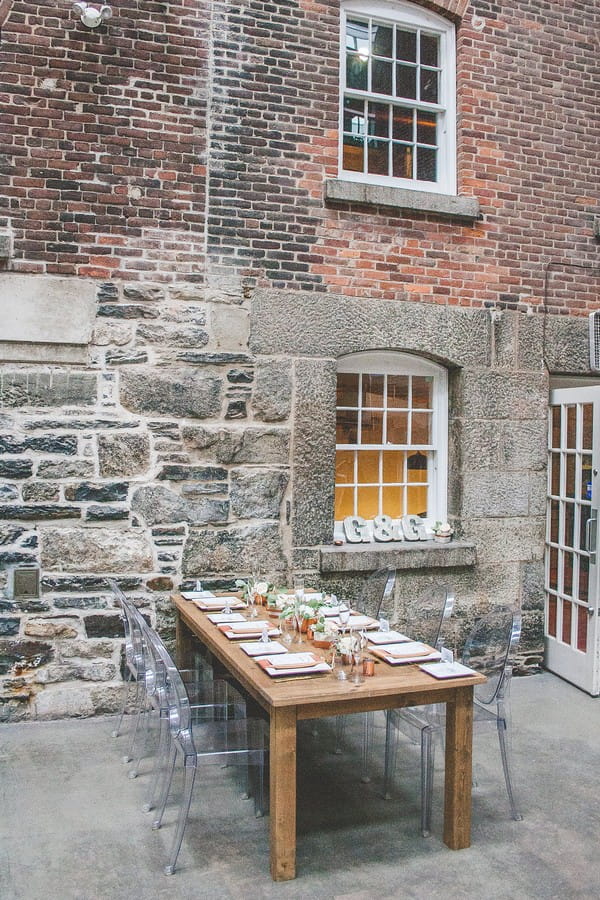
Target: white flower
point(261, 588)
point(347, 644)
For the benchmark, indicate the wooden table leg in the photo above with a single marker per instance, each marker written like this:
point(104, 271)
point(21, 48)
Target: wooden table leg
point(283, 794)
point(459, 765)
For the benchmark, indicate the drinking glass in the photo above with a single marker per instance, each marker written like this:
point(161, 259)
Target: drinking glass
point(286, 626)
point(344, 616)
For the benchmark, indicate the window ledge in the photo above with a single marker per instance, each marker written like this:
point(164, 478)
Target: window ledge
point(338, 190)
point(401, 554)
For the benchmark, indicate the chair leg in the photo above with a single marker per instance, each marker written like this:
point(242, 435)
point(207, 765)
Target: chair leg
point(161, 760)
point(427, 769)
point(139, 701)
point(504, 753)
point(143, 744)
point(391, 752)
point(165, 789)
point(126, 688)
point(188, 787)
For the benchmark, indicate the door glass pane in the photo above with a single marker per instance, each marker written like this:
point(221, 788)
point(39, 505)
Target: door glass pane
point(584, 516)
point(587, 431)
point(566, 622)
point(372, 390)
point(397, 391)
point(554, 521)
point(346, 429)
point(555, 433)
point(582, 623)
point(368, 467)
point(344, 502)
point(586, 477)
point(584, 569)
point(397, 428)
point(368, 502)
point(571, 435)
point(372, 428)
point(344, 466)
point(555, 474)
point(553, 569)
point(551, 616)
point(569, 523)
point(570, 481)
point(347, 389)
point(567, 573)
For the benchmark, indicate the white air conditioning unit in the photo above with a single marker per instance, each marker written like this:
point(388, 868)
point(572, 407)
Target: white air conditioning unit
point(595, 341)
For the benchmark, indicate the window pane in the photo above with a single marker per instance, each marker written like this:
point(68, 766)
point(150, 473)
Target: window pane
point(554, 521)
point(344, 467)
point(568, 573)
point(426, 164)
point(347, 389)
point(416, 501)
point(391, 501)
point(353, 154)
point(429, 50)
point(354, 116)
point(397, 428)
point(357, 36)
point(372, 390)
point(416, 465)
point(344, 502)
point(570, 483)
point(429, 86)
point(378, 157)
point(421, 431)
point(566, 623)
point(356, 72)
point(379, 119)
point(555, 427)
point(346, 431)
point(406, 82)
point(402, 123)
point(427, 128)
point(372, 428)
point(368, 502)
point(397, 391)
point(584, 515)
point(382, 40)
point(421, 392)
point(393, 466)
point(406, 45)
point(402, 161)
point(555, 474)
point(368, 467)
point(381, 77)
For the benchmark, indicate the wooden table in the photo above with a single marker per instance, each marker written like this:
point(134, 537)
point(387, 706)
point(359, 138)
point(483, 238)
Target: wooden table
point(288, 702)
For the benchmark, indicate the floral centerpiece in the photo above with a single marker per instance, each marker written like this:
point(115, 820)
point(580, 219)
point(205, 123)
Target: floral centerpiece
point(442, 532)
point(254, 591)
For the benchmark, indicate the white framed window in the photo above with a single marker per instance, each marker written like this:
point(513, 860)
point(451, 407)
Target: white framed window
point(391, 437)
point(398, 96)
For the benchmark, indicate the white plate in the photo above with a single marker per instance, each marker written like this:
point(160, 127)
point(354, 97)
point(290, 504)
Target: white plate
point(387, 637)
point(447, 670)
point(258, 648)
point(224, 618)
point(196, 595)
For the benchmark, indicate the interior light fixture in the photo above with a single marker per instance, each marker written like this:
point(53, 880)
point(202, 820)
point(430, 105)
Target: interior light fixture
point(92, 16)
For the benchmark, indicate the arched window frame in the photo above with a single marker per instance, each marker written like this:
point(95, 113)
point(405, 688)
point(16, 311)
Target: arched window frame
point(389, 362)
point(413, 17)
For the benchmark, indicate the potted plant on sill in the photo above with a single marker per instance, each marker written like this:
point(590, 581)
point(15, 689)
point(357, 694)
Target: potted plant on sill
point(442, 532)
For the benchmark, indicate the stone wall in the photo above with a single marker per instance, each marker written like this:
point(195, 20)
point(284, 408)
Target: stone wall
point(171, 180)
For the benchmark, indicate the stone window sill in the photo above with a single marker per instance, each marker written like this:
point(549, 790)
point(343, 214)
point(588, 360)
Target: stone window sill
point(401, 554)
point(338, 190)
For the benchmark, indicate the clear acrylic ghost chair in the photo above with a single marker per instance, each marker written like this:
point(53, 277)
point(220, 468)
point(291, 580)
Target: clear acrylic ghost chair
point(376, 597)
point(133, 660)
point(488, 649)
point(200, 741)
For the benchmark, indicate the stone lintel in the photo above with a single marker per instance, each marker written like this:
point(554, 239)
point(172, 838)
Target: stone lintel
point(402, 554)
point(339, 190)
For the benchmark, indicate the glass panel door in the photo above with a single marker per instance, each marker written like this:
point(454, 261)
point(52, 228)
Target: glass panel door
point(571, 571)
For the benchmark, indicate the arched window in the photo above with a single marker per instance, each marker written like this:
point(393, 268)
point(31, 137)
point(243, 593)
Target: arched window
point(391, 437)
point(398, 97)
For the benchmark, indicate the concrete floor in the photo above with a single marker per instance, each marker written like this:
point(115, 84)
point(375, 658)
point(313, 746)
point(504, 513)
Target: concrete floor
point(71, 826)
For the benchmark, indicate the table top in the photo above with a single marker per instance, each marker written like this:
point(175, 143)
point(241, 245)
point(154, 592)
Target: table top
point(316, 696)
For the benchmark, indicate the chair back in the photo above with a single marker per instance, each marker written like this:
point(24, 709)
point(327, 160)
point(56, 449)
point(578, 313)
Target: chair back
point(132, 619)
point(170, 688)
point(425, 615)
point(378, 592)
point(489, 649)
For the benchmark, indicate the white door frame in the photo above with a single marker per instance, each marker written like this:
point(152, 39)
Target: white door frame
point(572, 559)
